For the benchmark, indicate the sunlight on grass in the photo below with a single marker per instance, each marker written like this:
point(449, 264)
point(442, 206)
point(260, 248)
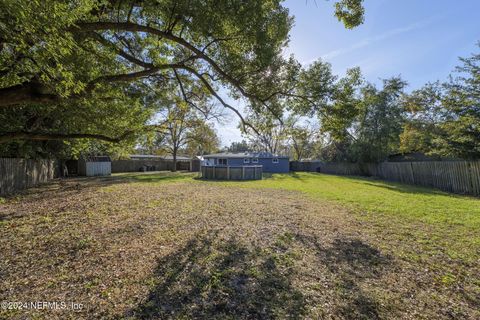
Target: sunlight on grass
point(436, 221)
point(375, 196)
point(364, 194)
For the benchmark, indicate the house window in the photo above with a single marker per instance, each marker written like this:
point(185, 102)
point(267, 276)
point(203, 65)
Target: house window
point(222, 162)
point(275, 160)
point(255, 160)
point(246, 160)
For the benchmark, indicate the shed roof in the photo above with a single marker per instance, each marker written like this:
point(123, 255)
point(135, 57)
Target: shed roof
point(96, 159)
point(243, 155)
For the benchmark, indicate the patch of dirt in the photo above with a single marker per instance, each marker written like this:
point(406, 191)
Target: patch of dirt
point(201, 250)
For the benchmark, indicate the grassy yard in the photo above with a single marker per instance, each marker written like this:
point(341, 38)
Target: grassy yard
point(448, 222)
point(296, 245)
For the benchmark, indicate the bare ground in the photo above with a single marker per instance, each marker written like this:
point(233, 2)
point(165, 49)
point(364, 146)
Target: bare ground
point(201, 250)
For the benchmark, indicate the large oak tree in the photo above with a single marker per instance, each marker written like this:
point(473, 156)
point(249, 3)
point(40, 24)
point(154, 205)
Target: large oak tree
point(63, 52)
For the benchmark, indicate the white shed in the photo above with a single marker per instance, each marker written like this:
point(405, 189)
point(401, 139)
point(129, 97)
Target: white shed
point(95, 166)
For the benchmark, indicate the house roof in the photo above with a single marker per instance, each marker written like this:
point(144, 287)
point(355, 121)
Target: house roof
point(154, 156)
point(178, 158)
point(243, 155)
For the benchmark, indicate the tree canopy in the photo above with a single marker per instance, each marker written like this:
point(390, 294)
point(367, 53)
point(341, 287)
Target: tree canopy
point(85, 54)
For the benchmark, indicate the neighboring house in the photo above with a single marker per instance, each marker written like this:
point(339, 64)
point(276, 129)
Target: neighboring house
point(156, 157)
point(270, 162)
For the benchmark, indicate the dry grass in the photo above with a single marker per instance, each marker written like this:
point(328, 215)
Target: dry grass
point(175, 248)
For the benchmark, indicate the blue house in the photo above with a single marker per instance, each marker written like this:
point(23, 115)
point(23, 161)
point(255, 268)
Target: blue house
point(270, 162)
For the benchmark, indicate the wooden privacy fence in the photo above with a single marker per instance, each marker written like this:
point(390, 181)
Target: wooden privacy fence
point(18, 174)
point(462, 177)
point(150, 165)
point(310, 166)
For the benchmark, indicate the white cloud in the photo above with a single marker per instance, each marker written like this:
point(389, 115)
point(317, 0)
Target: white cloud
point(386, 35)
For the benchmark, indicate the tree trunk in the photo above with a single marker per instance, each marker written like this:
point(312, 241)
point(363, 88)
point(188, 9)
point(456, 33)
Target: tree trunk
point(174, 154)
point(28, 92)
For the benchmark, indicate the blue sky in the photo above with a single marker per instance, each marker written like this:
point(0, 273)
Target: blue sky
point(420, 40)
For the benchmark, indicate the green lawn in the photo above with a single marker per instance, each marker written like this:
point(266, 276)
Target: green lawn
point(375, 196)
point(300, 245)
point(436, 219)
point(415, 223)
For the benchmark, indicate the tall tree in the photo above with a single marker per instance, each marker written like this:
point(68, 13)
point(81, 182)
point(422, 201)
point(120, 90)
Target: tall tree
point(461, 127)
point(303, 137)
point(424, 114)
point(54, 52)
point(380, 121)
point(362, 122)
point(182, 128)
point(203, 140)
point(443, 118)
point(241, 146)
point(271, 133)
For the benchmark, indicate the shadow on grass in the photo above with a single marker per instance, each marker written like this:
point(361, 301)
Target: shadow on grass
point(358, 261)
point(209, 279)
point(93, 182)
point(391, 185)
point(213, 278)
point(406, 188)
point(352, 261)
point(64, 188)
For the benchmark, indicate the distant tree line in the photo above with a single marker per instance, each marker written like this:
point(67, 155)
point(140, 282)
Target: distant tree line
point(356, 121)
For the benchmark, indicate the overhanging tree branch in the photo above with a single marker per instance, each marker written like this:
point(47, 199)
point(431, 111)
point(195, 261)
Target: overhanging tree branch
point(32, 92)
point(133, 27)
point(216, 95)
point(44, 136)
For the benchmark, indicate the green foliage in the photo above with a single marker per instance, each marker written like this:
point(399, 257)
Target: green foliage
point(444, 118)
point(363, 123)
point(380, 122)
point(462, 103)
point(241, 146)
point(75, 57)
point(203, 139)
point(351, 12)
point(424, 113)
point(112, 117)
point(35, 44)
point(271, 133)
point(303, 138)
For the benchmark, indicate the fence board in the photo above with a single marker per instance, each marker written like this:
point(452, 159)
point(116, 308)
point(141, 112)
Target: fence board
point(156, 165)
point(18, 174)
point(462, 177)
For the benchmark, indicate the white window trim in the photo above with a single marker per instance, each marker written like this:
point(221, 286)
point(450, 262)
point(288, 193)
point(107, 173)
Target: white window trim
point(275, 160)
point(255, 160)
point(246, 160)
point(221, 164)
